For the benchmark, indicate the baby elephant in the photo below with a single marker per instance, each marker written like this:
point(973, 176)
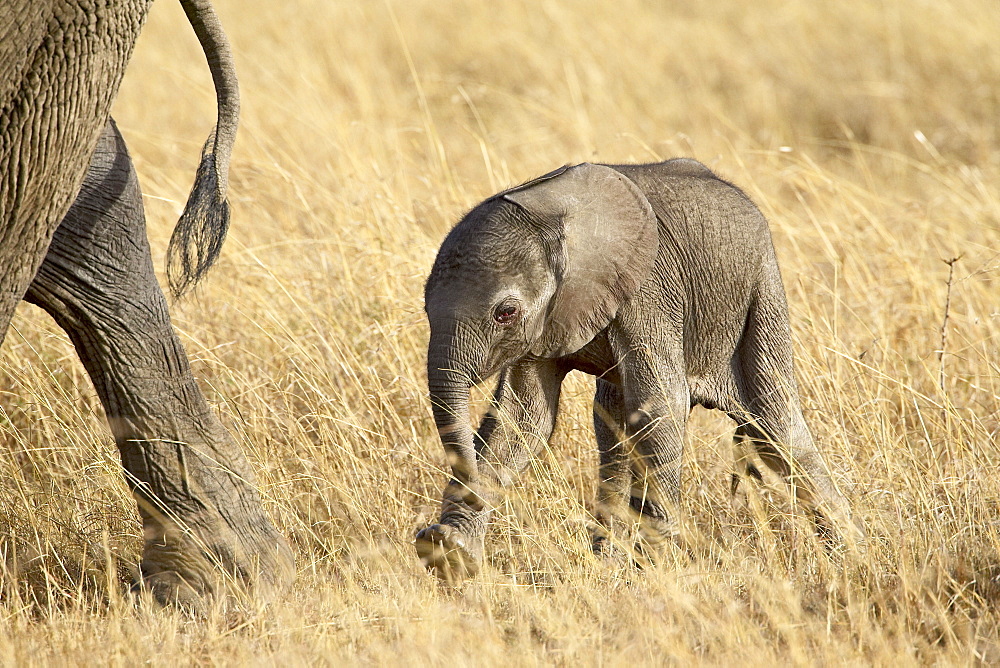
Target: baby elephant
point(661, 281)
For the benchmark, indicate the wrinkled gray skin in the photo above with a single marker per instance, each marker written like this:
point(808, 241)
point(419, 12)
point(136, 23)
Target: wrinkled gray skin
point(89, 266)
point(661, 281)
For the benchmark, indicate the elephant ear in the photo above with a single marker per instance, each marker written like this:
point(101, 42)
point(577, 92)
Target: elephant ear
point(609, 242)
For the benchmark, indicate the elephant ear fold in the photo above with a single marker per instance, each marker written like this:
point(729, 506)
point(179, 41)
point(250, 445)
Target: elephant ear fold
point(609, 242)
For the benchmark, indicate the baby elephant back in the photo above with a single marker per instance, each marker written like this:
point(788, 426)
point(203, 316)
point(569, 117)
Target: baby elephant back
point(708, 223)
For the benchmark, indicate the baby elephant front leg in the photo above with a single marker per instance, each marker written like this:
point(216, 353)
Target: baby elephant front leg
point(656, 431)
point(640, 431)
point(517, 426)
point(615, 479)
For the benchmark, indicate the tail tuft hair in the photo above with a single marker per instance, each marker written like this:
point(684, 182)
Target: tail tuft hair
point(197, 240)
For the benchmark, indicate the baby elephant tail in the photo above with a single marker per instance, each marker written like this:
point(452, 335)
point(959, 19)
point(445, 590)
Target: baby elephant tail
point(198, 236)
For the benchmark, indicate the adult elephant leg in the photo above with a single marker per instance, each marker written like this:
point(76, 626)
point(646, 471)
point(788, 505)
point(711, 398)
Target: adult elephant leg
point(615, 475)
point(60, 67)
point(517, 427)
point(203, 523)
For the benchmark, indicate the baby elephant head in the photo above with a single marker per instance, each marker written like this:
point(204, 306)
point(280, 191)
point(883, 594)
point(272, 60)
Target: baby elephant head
point(533, 272)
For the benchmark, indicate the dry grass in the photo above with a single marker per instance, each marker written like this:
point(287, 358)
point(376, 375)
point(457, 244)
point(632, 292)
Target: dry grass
point(866, 131)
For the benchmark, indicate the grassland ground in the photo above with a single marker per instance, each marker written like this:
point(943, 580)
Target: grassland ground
point(867, 133)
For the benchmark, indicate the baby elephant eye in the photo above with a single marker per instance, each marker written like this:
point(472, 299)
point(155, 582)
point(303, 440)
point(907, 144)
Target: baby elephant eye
point(505, 314)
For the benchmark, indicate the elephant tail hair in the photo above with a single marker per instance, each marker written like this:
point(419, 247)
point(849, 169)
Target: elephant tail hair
point(197, 239)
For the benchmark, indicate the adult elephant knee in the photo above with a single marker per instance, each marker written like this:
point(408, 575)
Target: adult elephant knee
point(89, 266)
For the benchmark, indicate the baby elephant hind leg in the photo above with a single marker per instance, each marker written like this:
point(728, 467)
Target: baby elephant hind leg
point(795, 458)
point(770, 421)
point(204, 527)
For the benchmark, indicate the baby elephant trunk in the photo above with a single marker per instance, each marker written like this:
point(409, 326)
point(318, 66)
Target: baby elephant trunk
point(449, 392)
point(449, 379)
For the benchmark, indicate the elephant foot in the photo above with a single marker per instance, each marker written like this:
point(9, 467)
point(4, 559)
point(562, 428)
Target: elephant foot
point(448, 553)
point(609, 551)
point(640, 541)
point(839, 530)
point(606, 539)
point(191, 570)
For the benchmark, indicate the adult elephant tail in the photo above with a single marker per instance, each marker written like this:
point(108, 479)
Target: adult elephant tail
point(197, 239)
